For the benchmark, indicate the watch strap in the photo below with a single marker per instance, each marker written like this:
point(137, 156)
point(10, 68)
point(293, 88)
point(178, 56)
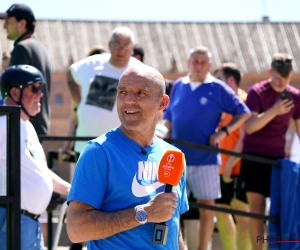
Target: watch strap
point(140, 214)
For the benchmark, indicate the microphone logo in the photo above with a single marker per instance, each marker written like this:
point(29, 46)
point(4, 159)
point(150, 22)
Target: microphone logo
point(170, 158)
point(166, 174)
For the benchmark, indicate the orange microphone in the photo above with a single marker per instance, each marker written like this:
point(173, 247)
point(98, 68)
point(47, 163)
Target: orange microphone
point(170, 171)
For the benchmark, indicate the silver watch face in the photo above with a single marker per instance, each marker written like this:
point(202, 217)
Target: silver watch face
point(141, 215)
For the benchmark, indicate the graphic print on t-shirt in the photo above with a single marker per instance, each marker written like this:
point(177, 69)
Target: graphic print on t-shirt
point(145, 181)
point(103, 92)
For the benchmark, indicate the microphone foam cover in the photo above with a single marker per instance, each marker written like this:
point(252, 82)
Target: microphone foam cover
point(171, 167)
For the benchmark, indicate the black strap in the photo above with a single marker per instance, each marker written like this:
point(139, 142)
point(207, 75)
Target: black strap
point(32, 216)
point(25, 212)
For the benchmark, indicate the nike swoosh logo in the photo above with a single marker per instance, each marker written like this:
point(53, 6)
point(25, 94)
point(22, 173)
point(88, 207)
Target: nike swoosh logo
point(139, 190)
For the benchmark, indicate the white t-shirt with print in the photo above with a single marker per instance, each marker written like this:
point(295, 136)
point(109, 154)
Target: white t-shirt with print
point(97, 111)
point(36, 182)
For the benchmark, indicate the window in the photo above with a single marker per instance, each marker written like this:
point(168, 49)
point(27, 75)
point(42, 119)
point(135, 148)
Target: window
point(58, 99)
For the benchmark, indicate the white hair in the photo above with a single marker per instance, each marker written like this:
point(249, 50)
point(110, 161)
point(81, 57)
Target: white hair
point(123, 32)
point(201, 50)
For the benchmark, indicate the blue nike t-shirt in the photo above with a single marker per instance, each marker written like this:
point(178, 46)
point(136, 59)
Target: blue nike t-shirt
point(113, 174)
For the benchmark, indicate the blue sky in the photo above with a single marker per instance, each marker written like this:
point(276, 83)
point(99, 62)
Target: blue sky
point(164, 10)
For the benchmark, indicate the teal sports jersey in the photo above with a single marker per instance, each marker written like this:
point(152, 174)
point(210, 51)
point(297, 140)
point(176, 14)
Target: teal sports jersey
point(112, 174)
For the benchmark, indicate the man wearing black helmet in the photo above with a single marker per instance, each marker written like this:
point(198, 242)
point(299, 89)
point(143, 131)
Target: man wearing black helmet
point(21, 85)
point(20, 25)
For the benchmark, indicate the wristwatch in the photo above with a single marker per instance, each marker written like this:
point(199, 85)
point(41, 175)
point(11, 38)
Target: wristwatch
point(225, 130)
point(141, 215)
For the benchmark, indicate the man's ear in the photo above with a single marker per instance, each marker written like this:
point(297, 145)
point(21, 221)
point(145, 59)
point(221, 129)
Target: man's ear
point(110, 44)
point(231, 80)
point(270, 72)
point(232, 83)
point(22, 24)
point(164, 102)
point(188, 62)
point(210, 63)
point(15, 94)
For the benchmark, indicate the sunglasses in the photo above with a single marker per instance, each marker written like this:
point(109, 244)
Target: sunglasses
point(34, 89)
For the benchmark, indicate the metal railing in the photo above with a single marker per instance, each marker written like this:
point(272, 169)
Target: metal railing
point(13, 189)
point(13, 176)
point(53, 155)
point(201, 147)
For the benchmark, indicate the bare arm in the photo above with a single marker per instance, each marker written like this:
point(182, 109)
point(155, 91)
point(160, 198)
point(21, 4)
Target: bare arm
point(59, 185)
point(237, 121)
point(74, 89)
point(258, 121)
point(85, 223)
point(65, 152)
point(234, 124)
point(232, 160)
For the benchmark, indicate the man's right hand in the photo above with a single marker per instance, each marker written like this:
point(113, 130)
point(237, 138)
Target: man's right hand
point(282, 107)
point(64, 154)
point(161, 207)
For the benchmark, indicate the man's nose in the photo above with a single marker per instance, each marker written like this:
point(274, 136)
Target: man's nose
point(198, 65)
point(41, 93)
point(130, 97)
point(282, 81)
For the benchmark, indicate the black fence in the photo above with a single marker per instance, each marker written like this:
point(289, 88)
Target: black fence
point(13, 176)
point(12, 200)
point(193, 145)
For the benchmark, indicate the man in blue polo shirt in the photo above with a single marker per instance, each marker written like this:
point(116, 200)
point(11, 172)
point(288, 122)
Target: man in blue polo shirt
point(196, 104)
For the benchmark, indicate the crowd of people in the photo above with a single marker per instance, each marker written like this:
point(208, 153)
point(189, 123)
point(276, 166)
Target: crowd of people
point(129, 108)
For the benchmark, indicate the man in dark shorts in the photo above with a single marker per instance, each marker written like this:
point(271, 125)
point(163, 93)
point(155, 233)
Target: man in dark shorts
point(265, 134)
point(234, 232)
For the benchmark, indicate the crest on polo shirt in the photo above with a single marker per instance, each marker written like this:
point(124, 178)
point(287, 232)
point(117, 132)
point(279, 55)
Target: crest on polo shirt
point(203, 100)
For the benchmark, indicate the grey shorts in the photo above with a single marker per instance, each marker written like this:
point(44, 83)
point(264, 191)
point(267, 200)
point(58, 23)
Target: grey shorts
point(204, 182)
